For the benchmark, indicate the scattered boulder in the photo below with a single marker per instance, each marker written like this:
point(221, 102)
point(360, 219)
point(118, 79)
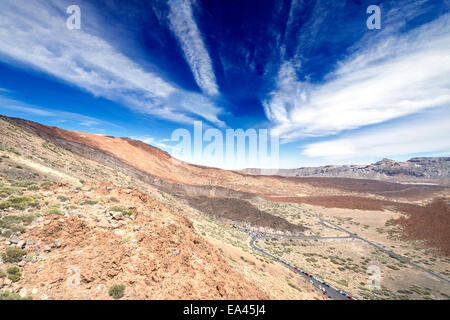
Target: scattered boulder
point(23, 292)
point(57, 243)
point(114, 225)
point(21, 244)
point(117, 216)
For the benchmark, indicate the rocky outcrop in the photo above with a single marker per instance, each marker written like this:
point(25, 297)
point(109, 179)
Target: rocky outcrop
point(83, 249)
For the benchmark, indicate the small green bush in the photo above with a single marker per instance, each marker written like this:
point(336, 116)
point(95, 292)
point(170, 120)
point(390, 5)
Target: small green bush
point(55, 211)
point(14, 273)
point(6, 233)
point(7, 295)
point(16, 223)
point(46, 185)
point(294, 286)
point(117, 291)
point(342, 282)
point(393, 267)
point(63, 198)
point(20, 203)
point(2, 274)
point(6, 191)
point(12, 255)
point(122, 209)
point(89, 202)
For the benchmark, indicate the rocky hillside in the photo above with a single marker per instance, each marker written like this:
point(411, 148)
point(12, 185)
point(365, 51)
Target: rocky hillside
point(58, 242)
point(416, 170)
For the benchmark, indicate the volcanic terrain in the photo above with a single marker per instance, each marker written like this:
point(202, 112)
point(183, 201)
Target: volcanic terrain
point(116, 211)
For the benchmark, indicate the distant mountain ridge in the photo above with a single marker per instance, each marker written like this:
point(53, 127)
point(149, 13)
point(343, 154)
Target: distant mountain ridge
point(433, 170)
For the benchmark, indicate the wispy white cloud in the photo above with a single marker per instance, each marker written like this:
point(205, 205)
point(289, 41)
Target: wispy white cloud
point(287, 95)
point(183, 25)
point(163, 146)
point(33, 33)
point(394, 76)
point(155, 142)
point(7, 103)
point(145, 139)
point(148, 140)
point(426, 132)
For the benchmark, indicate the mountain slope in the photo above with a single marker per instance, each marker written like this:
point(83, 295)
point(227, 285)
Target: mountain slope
point(112, 235)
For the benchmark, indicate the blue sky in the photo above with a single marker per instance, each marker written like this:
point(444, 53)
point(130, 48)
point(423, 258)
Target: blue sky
point(311, 71)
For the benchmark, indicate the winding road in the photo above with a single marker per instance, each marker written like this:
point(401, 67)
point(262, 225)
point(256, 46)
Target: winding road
point(330, 291)
point(380, 247)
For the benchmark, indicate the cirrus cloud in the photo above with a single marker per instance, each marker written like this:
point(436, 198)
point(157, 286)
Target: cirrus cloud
point(397, 76)
point(34, 34)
